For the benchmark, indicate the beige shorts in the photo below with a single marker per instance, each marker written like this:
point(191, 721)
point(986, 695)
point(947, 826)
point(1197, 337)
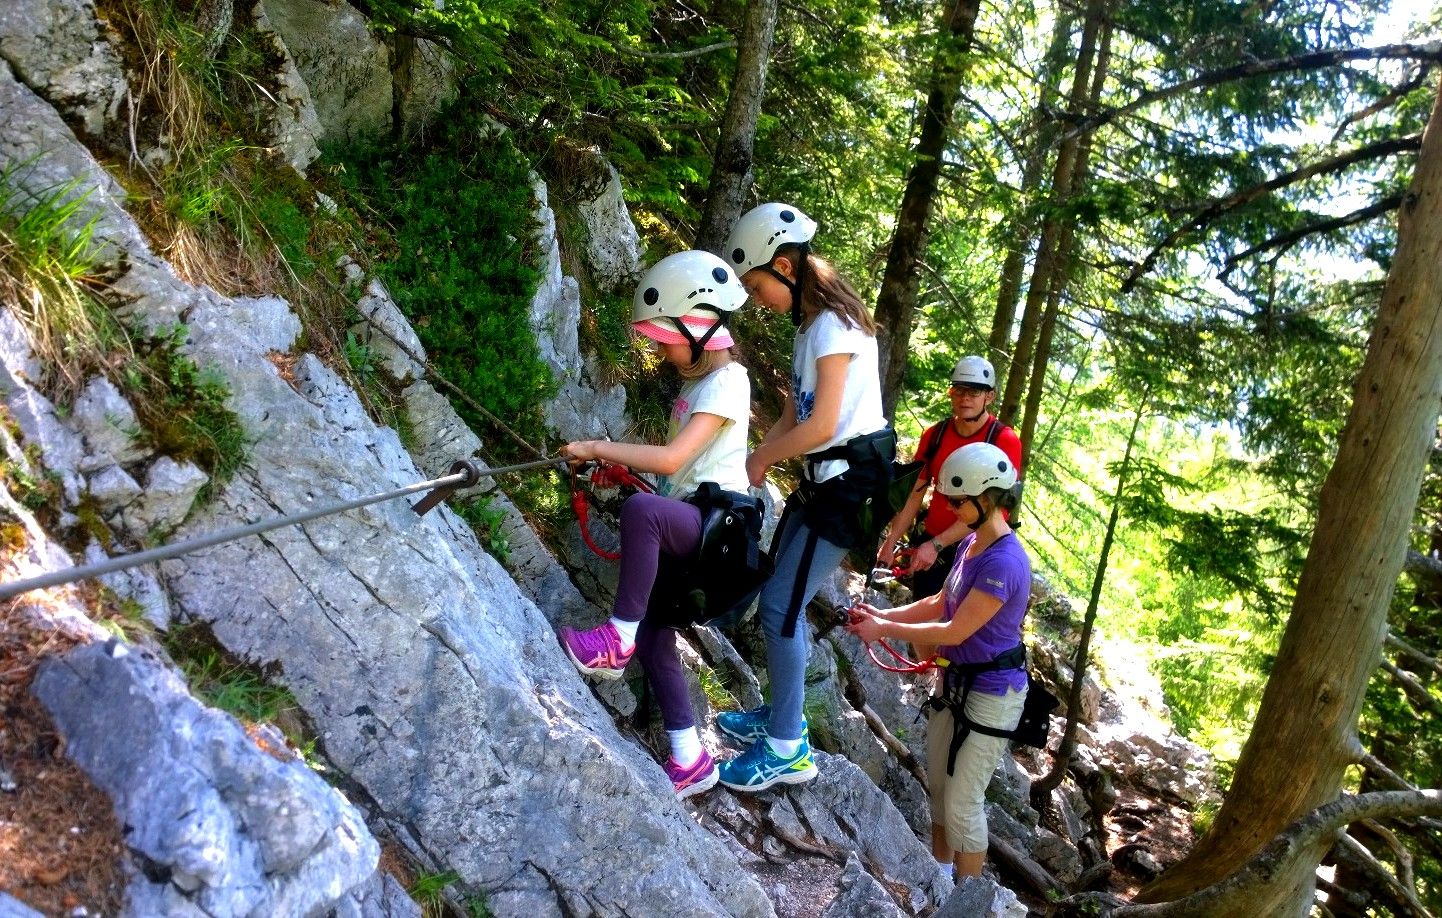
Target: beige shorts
point(958, 800)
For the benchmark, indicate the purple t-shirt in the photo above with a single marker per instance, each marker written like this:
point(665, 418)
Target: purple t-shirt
point(1004, 571)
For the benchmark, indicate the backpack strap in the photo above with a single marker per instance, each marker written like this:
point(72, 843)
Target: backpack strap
point(937, 432)
point(994, 431)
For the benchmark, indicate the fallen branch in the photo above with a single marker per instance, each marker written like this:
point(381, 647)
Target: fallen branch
point(1417, 694)
point(1233, 895)
point(1402, 900)
point(1036, 876)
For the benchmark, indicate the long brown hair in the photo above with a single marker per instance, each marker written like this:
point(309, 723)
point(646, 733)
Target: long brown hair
point(825, 288)
point(709, 361)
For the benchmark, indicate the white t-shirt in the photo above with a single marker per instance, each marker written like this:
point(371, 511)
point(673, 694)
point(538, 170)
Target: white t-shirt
point(727, 393)
point(861, 413)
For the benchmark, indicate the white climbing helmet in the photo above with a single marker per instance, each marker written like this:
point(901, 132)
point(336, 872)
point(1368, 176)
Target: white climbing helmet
point(685, 299)
point(761, 230)
point(974, 469)
point(974, 371)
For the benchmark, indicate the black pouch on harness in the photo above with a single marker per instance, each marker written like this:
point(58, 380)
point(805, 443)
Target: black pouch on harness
point(717, 585)
point(852, 508)
point(1035, 721)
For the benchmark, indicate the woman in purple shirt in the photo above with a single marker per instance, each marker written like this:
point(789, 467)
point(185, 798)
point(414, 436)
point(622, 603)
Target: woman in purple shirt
point(976, 622)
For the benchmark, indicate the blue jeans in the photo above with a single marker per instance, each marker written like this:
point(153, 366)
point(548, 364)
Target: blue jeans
point(786, 657)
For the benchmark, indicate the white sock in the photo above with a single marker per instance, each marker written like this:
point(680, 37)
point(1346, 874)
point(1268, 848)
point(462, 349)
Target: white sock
point(785, 748)
point(627, 631)
point(685, 746)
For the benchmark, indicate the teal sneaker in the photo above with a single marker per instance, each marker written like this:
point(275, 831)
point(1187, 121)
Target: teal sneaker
point(746, 726)
point(760, 767)
point(750, 726)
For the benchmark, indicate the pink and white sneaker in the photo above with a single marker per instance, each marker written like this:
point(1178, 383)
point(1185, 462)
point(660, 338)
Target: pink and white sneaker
point(597, 652)
point(695, 778)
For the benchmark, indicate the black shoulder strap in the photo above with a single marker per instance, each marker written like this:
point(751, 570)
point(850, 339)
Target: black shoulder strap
point(936, 431)
point(994, 431)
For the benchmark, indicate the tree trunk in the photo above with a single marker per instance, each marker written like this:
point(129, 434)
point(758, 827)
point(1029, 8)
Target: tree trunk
point(1061, 277)
point(1052, 779)
point(1046, 263)
point(1304, 736)
point(896, 301)
point(1018, 231)
point(731, 167)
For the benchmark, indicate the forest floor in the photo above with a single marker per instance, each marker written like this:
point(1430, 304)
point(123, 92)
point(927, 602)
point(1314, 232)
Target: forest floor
point(60, 844)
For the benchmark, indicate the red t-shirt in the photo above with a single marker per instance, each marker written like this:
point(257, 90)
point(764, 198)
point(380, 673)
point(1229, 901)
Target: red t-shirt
point(939, 516)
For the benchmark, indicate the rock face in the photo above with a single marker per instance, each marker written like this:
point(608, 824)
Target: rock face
point(432, 682)
point(581, 409)
point(59, 48)
point(233, 830)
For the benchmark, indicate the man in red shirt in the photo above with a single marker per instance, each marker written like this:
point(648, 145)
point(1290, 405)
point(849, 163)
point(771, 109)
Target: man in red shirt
point(973, 387)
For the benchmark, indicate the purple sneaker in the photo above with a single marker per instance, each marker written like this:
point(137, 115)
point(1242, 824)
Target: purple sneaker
point(597, 652)
point(697, 777)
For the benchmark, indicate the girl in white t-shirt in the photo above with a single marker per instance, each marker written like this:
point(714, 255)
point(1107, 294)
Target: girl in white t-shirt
point(681, 305)
point(833, 417)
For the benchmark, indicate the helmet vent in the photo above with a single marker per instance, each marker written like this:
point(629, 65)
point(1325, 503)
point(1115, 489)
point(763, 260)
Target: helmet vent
point(720, 275)
point(651, 296)
point(787, 216)
point(1001, 466)
point(738, 255)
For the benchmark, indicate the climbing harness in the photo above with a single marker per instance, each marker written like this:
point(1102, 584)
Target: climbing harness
point(600, 475)
point(463, 473)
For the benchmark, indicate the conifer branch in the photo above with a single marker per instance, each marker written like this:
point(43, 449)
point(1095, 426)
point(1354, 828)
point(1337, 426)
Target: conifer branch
point(1316, 60)
point(675, 55)
point(1289, 239)
point(1220, 207)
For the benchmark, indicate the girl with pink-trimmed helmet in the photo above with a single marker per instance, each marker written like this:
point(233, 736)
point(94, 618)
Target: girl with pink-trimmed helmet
point(682, 304)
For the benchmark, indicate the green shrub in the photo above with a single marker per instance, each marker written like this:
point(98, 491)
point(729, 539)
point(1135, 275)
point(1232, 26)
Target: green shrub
point(486, 519)
point(457, 232)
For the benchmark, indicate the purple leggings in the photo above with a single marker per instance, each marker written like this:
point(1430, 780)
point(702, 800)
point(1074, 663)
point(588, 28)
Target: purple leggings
point(654, 529)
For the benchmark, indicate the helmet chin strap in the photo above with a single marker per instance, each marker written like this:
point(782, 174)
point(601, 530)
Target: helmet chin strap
point(797, 286)
point(698, 345)
point(981, 515)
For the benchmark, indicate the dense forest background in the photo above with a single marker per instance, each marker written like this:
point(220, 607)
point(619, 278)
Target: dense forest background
point(1168, 224)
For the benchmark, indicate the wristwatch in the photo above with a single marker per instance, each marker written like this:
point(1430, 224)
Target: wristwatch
point(937, 546)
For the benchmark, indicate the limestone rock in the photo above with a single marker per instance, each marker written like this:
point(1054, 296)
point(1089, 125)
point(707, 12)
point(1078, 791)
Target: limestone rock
point(613, 247)
point(34, 139)
point(235, 830)
point(140, 585)
point(441, 437)
point(347, 71)
point(170, 490)
point(389, 336)
point(426, 81)
point(295, 125)
point(1058, 856)
point(844, 809)
point(981, 897)
point(112, 488)
point(834, 726)
point(108, 425)
point(379, 897)
point(60, 49)
point(581, 409)
point(860, 896)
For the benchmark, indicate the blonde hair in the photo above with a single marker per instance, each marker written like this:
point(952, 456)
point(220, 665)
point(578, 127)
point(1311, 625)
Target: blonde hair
point(825, 288)
point(709, 361)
